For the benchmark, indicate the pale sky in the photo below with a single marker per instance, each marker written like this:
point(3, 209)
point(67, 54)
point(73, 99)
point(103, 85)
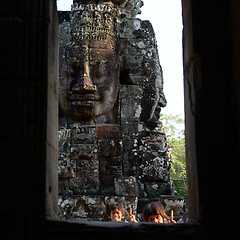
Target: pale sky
point(166, 18)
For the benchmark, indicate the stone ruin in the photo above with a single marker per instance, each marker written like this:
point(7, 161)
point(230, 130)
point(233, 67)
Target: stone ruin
point(112, 147)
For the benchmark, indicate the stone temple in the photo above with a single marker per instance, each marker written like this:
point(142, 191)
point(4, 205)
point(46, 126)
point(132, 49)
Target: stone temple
point(112, 147)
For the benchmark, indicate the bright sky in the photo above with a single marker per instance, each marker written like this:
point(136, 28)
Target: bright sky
point(166, 18)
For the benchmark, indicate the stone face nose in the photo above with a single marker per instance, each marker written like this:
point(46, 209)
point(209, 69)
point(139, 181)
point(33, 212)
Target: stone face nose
point(82, 82)
point(87, 83)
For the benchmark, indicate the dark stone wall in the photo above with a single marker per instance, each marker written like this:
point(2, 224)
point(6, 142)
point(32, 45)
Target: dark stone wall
point(29, 104)
point(211, 106)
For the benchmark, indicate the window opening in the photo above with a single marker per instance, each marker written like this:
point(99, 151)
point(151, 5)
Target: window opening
point(112, 146)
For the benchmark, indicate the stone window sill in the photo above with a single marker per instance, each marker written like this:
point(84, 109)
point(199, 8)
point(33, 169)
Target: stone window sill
point(75, 228)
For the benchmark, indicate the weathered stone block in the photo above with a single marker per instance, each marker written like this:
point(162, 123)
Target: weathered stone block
point(126, 186)
point(84, 134)
point(83, 151)
point(157, 189)
point(175, 203)
point(155, 144)
point(66, 206)
point(87, 165)
point(129, 24)
point(110, 147)
point(130, 110)
point(130, 128)
point(130, 157)
point(138, 79)
point(108, 131)
point(88, 182)
point(64, 28)
point(66, 168)
point(131, 92)
point(90, 208)
point(153, 169)
point(63, 187)
point(110, 165)
point(107, 184)
point(64, 144)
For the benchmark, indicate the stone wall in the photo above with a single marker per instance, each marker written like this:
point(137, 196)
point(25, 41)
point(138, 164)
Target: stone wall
point(119, 155)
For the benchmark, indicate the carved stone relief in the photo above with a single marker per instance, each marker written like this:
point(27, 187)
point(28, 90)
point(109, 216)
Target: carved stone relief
point(111, 144)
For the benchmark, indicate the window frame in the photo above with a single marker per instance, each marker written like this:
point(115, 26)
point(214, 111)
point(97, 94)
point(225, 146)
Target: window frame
point(50, 225)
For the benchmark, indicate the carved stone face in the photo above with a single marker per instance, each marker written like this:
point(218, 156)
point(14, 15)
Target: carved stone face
point(90, 84)
point(93, 81)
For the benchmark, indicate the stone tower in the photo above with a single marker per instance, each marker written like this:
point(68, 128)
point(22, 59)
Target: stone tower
point(111, 144)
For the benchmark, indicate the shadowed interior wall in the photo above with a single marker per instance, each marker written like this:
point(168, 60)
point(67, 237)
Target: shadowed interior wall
point(211, 53)
point(29, 104)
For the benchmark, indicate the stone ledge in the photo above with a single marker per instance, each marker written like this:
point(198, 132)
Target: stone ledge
point(129, 230)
